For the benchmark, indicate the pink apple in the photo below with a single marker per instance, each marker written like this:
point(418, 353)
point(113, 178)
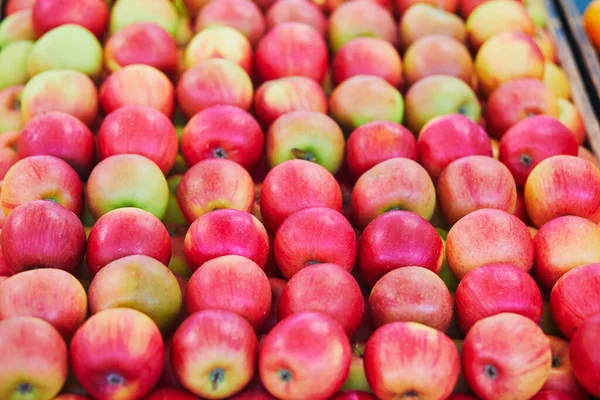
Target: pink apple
point(423, 19)
point(10, 109)
point(242, 15)
point(219, 42)
point(13, 6)
point(296, 11)
point(90, 14)
point(277, 285)
point(585, 357)
point(562, 379)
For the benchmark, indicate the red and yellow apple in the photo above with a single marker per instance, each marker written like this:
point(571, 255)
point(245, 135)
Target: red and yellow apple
point(242, 15)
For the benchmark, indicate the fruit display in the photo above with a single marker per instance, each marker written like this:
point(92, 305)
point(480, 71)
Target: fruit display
point(295, 200)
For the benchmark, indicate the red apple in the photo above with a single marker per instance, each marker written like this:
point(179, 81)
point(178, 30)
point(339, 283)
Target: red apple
point(49, 14)
point(49, 294)
point(552, 395)
point(296, 11)
point(293, 186)
point(232, 283)
point(561, 378)
point(411, 294)
point(584, 355)
point(446, 5)
point(398, 239)
point(424, 364)
point(253, 393)
point(13, 6)
point(242, 15)
point(563, 185)
point(588, 155)
point(488, 236)
point(495, 364)
point(141, 43)
point(493, 289)
point(277, 285)
point(169, 394)
point(223, 131)
point(422, 19)
point(33, 361)
point(307, 356)
point(292, 49)
point(219, 42)
point(117, 353)
point(10, 109)
point(72, 397)
point(353, 395)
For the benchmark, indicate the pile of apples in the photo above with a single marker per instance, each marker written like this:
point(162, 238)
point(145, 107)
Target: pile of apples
point(293, 199)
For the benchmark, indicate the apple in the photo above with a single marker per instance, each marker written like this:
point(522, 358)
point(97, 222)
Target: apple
point(194, 6)
point(424, 364)
point(10, 109)
point(353, 395)
point(437, 54)
point(213, 184)
point(128, 12)
point(411, 294)
point(72, 397)
point(423, 19)
point(89, 14)
point(277, 285)
point(292, 93)
point(557, 80)
point(588, 155)
point(363, 99)
point(8, 156)
point(296, 11)
point(446, 5)
point(546, 44)
point(108, 351)
point(173, 214)
point(13, 6)
point(33, 363)
point(144, 186)
point(219, 42)
point(226, 232)
point(141, 43)
point(42, 178)
point(356, 382)
point(491, 18)
point(307, 355)
point(242, 15)
point(367, 56)
point(472, 183)
point(16, 27)
point(253, 393)
point(13, 62)
point(60, 135)
point(293, 186)
point(570, 117)
point(378, 141)
point(398, 239)
point(574, 298)
point(501, 238)
point(563, 185)
point(438, 95)
point(137, 84)
point(232, 283)
point(495, 364)
point(394, 184)
point(49, 294)
point(585, 357)
point(561, 378)
point(134, 129)
point(360, 18)
point(493, 68)
point(71, 92)
point(169, 394)
point(521, 212)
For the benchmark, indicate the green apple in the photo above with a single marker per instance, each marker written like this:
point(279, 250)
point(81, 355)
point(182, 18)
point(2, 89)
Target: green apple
point(10, 109)
point(357, 379)
point(173, 214)
point(13, 59)
point(15, 27)
point(160, 12)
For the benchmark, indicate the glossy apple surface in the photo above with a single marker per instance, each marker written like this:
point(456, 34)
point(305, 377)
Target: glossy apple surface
point(302, 11)
point(219, 42)
point(242, 15)
point(562, 378)
point(585, 357)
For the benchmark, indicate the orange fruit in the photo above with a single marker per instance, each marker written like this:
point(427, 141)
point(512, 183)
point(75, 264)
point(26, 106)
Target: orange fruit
point(591, 22)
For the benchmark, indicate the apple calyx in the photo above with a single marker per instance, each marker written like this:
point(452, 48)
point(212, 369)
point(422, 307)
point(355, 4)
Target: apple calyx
point(410, 394)
point(285, 375)
point(16, 104)
point(526, 159)
point(311, 262)
point(216, 377)
point(303, 155)
point(219, 152)
point(114, 379)
point(556, 362)
point(25, 388)
point(462, 110)
point(490, 372)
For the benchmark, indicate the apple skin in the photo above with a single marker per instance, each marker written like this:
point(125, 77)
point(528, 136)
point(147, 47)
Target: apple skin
point(411, 294)
point(10, 109)
point(496, 365)
point(574, 189)
point(90, 14)
point(296, 11)
point(575, 297)
point(169, 394)
point(13, 62)
point(517, 100)
point(557, 80)
point(493, 289)
point(425, 363)
point(131, 46)
point(214, 184)
point(214, 82)
point(242, 15)
point(394, 184)
point(277, 285)
point(219, 42)
point(128, 12)
point(353, 395)
point(8, 156)
point(302, 340)
point(71, 92)
point(108, 349)
point(437, 54)
point(293, 186)
point(363, 99)
point(447, 5)
point(16, 27)
point(561, 378)
point(423, 19)
point(552, 395)
point(60, 135)
point(546, 44)
point(398, 239)
point(315, 235)
point(292, 49)
point(42, 178)
point(232, 283)
point(253, 393)
point(378, 141)
point(152, 89)
point(570, 117)
point(360, 18)
point(49, 294)
point(144, 186)
point(501, 238)
point(472, 183)
point(527, 61)
point(491, 18)
point(225, 232)
point(71, 397)
point(563, 244)
point(325, 288)
point(33, 363)
point(367, 56)
point(584, 356)
point(588, 156)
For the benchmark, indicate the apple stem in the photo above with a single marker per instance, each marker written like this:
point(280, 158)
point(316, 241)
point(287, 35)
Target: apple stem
point(219, 153)
point(216, 376)
point(410, 394)
point(303, 155)
point(25, 388)
point(114, 379)
point(526, 159)
point(556, 362)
